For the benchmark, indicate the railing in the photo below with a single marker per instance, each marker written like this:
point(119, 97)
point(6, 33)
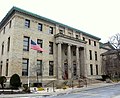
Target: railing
point(51, 82)
point(53, 85)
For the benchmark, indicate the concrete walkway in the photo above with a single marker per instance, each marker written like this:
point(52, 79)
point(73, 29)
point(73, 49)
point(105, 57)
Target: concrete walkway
point(57, 91)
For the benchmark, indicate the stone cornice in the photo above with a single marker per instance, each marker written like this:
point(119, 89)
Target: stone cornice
point(21, 11)
point(69, 37)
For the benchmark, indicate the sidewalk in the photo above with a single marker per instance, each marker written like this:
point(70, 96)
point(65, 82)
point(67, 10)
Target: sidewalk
point(58, 91)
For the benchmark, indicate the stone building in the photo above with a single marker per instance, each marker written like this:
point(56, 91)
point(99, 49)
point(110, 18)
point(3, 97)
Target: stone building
point(69, 52)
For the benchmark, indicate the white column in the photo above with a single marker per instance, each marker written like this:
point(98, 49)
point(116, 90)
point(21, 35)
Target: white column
point(83, 66)
point(69, 62)
point(60, 70)
point(84, 62)
point(77, 61)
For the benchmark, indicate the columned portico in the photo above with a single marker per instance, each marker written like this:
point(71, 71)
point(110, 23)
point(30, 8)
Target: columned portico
point(69, 57)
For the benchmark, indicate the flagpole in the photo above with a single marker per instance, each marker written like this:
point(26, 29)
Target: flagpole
point(29, 73)
point(33, 46)
point(29, 66)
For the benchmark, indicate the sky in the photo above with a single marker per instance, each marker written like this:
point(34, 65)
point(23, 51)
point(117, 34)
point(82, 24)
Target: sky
point(100, 18)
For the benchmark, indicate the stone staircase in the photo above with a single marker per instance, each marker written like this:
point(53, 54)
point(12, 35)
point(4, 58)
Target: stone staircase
point(72, 83)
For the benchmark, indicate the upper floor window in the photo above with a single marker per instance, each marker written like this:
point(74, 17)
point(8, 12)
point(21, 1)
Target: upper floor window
point(40, 42)
point(25, 63)
point(61, 31)
point(51, 30)
point(89, 42)
point(96, 55)
point(27, 23)
point(39, 68)
point(70, 33)
point(50, 47)
point(51, 68)
point(8, 46)
point(2, 48)
point(4, 30)
point(10, 24)
point(77, 36)
point(40, 26)
point(94, 43)
point(26, 43)
point(83, 38)
point(90, 52)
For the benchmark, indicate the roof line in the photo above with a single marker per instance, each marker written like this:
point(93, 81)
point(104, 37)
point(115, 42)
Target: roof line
point(13, 9)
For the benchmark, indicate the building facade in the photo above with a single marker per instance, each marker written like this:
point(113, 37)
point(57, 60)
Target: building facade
point(69, 52)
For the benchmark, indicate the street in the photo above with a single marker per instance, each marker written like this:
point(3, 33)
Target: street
point(102, 92)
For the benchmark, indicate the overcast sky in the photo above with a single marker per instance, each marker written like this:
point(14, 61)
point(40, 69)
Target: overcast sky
point(97, 17)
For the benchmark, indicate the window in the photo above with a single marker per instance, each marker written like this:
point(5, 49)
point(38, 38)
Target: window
point(1, 64)
point(96, 55)
point(51, 30)
point(2, 48)
point(91, 69)
point(69, 33)
point(10, 24)
point(4, 30)
point(8, 46)
point(90, 52)
point(89, 42)
point(94, 43)
point(27, 23)
point(25, 67)
point(74, 70)
point(74, 53)
point(26, 43)
point(65, 51)
point(61, 31)
point(40, 27)
point(39, 68)
point(39, 42)
point(50, 47)
point(77, 36)
point(83, 38)
point(51, 68)
point(7, 61)
point(96, 69)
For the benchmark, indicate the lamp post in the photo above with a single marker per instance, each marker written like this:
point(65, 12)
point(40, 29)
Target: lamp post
point(37, 76)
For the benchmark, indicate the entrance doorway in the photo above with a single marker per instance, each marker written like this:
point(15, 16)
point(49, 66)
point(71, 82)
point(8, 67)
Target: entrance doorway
point(65, 77)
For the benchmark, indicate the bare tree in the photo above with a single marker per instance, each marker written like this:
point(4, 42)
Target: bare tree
point(108, 63)
point(112, 57)
point(115, 41)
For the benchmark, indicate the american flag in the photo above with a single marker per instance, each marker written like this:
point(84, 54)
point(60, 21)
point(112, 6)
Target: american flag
point(35, 46)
